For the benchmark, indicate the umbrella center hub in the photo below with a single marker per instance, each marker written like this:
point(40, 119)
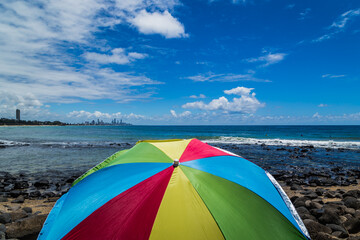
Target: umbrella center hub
point(176, 163)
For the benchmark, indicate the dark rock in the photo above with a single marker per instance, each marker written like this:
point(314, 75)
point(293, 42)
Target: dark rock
point(296, 187)
point(300, 202)
point(330, 216)
point(2, 234)
point(3, 199)
point(42, 183)
point(329, 194)
point(357, 214)
point(337, 228)
point(324, 236)
point(34, 194)
point(21, 185)
point(27, 209)
point(352, 202)
point(352, 225)
point(317, 212)
point(15, 193)
point(25, 227)
point(354, 238)
point(352, 193)
point(339, 234)
point(5, 218)
point(315, 227)
point(2, 227)
point(350, 211)
point(18, 215)
point(320, 191)
point(19, 199)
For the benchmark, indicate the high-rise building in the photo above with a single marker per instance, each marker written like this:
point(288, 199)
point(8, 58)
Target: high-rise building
point(18, 114)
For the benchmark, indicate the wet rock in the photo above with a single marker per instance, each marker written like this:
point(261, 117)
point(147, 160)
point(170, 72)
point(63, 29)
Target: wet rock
point(3, 199)
point(19, 199)
point(2, 234)
point(25, 227)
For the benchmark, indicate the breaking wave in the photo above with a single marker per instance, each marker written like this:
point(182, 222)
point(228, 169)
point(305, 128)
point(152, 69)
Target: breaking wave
point(351, 145)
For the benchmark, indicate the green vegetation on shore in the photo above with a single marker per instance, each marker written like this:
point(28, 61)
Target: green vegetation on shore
point(14, 122)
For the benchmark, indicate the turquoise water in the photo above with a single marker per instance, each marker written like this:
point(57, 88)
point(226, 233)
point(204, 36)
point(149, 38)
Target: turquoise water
point(80, 147)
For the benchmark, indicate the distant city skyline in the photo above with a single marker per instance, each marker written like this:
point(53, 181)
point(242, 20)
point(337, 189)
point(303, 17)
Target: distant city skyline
point(181, 62)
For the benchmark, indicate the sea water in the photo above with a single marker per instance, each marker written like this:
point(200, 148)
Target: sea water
point(45, 148)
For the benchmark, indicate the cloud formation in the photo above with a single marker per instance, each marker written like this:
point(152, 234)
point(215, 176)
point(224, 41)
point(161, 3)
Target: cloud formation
point(162, 23)
point(84, 115)
point(333, 76)
point(268, 59)
point(41, 41)
point(183, 114)
point(200, 96)
point(339, 24)
point(246, 103)
point(118, 56)
point(226, 77)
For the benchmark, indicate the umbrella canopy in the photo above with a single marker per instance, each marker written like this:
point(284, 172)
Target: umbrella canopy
point(174, 189)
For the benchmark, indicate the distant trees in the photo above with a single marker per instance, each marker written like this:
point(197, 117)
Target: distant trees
point(6, 121)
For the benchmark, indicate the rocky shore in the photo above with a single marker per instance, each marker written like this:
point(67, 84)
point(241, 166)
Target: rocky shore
point(329, 210)
point(326, 194)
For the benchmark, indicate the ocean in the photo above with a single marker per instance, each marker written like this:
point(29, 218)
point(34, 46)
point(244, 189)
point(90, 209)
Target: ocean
point(66, 148)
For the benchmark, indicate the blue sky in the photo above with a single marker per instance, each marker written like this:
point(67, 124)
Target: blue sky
point(181, 62)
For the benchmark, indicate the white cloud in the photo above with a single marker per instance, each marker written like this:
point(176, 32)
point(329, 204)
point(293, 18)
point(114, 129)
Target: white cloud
point(30, 107)
point(290, 6)
point(333, 76)
point(268, 59)
point(183, 114)
point(304, 14)
point(316, 115)
point(339, 24)
point(322, 105)
point(226, 77)
point(84, 115)
point(239, 91)
point(118, 56)
point(247, 103)
point(158, 23)
point(341, 21)
point(195, 96)
point(36, 43)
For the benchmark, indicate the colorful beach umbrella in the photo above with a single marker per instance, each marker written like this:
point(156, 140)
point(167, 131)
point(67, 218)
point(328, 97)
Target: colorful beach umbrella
point(174, 189)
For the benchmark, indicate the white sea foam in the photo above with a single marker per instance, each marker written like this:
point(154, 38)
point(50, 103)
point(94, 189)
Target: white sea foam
point(6, 143)
point(353, 145)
